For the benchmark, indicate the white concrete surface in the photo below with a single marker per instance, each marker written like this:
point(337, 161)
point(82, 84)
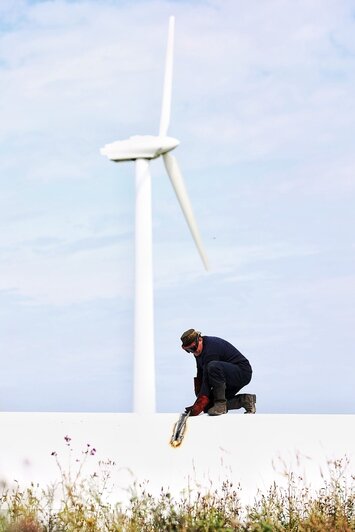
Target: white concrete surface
point(247, 449)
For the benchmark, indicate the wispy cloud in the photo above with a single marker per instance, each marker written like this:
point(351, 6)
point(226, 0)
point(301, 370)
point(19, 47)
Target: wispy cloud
point(67, 279)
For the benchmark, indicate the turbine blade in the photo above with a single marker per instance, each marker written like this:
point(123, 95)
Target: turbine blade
point(168, 80)
point(180, 190)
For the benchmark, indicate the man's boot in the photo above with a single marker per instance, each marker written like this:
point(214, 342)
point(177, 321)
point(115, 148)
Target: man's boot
point(235, 402)
point(248, 402)
point(245, 400)
point(220, 403)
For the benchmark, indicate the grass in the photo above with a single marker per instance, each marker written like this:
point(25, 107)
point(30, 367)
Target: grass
point(80, 502)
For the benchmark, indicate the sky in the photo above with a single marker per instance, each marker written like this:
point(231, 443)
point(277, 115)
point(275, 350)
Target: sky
point(263, 105)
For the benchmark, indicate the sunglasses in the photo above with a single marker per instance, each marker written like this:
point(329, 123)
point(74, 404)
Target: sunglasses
point(191, 348)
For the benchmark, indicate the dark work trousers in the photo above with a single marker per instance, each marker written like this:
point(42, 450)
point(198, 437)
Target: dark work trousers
point(234, 377)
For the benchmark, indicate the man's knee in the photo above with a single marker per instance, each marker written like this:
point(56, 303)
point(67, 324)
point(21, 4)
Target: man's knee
point(215, 368)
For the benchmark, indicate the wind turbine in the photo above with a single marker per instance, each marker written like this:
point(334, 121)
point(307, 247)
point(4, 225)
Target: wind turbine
point(142, 149)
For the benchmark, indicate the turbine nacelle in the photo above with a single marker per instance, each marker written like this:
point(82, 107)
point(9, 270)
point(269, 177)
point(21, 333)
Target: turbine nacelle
point(139, 147)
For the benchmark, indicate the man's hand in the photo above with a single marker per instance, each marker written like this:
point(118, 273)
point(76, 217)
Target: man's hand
point(198, 406)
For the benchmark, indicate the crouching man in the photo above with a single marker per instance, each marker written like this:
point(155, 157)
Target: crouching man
point(222, 371)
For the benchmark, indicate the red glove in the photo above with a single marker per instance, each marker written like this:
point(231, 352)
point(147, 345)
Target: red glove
point(198, 406)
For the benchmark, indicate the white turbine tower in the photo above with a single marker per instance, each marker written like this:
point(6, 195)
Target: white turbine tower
point(142, 149)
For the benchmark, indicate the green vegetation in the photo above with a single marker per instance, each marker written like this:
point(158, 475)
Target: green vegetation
point(80, 502)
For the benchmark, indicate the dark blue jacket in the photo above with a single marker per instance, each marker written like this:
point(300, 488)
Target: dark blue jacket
point(217, 349)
